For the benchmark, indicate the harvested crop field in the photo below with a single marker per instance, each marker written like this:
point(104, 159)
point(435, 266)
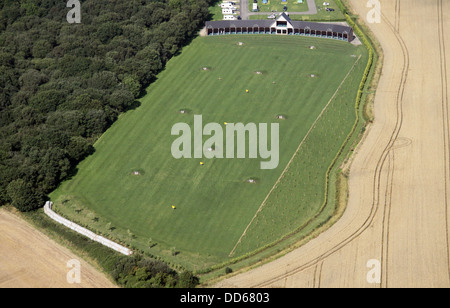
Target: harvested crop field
point(29, 259)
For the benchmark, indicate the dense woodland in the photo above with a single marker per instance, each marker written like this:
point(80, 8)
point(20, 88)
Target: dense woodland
point(62, 85)
point(141, 272)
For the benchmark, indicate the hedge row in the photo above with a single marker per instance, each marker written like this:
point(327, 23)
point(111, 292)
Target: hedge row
point(369, 47)
point(341, 6)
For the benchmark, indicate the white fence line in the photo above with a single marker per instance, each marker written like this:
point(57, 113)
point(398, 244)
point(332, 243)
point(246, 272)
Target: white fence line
point(100, 239)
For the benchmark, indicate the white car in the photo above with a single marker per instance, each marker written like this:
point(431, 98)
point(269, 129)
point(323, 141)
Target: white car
point(226, 5)
point(229, 17)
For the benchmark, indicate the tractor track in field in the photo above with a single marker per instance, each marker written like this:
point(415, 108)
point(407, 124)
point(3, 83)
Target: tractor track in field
point(445, 118)
point(387, 156)
point(390, 152)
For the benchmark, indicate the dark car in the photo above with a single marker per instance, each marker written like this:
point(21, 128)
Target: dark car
point(329, 9)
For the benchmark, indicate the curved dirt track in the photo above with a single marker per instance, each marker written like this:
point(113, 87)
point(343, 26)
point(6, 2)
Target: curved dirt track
point(29, 259)
point(399, 179)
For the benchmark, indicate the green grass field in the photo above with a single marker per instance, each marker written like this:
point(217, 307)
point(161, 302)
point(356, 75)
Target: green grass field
point(214, 204)
point(278, 5)
point(292, 5)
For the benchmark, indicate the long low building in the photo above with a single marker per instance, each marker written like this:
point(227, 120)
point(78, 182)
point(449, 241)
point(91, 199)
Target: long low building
point(282, 25)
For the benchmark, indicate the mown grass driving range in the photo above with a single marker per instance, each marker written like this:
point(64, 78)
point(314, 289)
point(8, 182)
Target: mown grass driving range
point(194, 212)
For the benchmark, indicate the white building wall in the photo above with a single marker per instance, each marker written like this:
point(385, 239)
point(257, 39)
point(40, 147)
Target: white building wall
point(100, 239)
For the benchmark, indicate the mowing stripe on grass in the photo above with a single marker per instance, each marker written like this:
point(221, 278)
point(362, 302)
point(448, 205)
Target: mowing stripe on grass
point(292, 158)
point(213, 203)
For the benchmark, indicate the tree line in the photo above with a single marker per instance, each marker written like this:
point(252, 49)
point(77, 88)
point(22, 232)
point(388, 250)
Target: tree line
point(142, 272)
point(62, 85)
